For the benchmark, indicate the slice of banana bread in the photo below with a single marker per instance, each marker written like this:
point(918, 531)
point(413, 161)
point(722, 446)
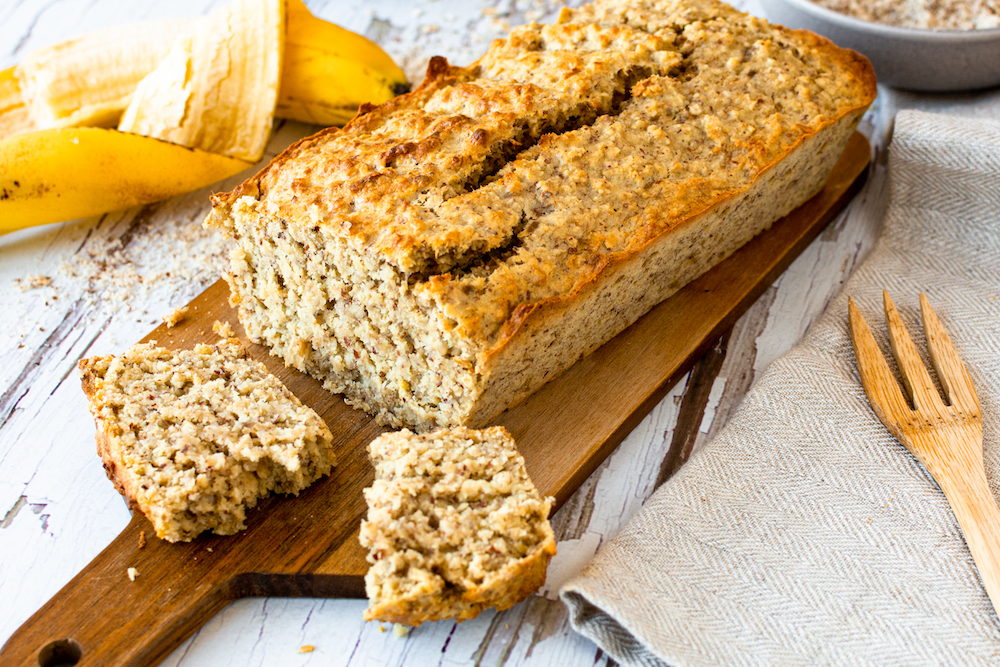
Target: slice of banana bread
point(454, 526)
point(194, 438)
point(450, 251)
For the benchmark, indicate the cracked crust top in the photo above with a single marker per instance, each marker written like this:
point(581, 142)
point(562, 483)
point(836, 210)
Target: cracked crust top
point(518, 179)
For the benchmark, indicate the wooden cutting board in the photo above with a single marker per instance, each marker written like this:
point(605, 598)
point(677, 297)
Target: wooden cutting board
point(307, 546)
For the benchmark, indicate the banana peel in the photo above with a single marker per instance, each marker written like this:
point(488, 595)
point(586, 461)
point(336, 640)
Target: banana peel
point(50, 174)
point(327, 73)
point(217, 88)
point(66, 173)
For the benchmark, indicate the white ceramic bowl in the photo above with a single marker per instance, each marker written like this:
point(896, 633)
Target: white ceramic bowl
point(929, 60)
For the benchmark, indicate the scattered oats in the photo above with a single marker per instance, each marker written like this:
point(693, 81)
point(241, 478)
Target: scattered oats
point(167, 259)
point(380, 628)
point(210, 549)
point(132, 573)
point(532, 15)
point(223, 329)
point(489, 11)
point(33, 282)
point(176, 316)
point(400, 630)
point(142, 539)
point(308, 648)
point(429, 29)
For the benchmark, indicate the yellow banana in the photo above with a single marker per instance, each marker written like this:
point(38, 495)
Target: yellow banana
point(217, 88)
point(67, 173)
point(329, 72)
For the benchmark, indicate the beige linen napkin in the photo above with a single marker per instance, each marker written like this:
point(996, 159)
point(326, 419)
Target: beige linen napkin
point(805, 534)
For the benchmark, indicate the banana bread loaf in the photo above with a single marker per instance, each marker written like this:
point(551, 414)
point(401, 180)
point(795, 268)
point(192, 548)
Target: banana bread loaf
point(454, 526)
point(448, 252)
point(194, 438)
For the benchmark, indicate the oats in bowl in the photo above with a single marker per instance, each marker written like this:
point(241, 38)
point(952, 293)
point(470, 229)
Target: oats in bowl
point(943, 54)
point(927, 14)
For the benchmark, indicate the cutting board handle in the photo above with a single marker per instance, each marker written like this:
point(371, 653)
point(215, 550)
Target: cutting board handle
point(102, 617)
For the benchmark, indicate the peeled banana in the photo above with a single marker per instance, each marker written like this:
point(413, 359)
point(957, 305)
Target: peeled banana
point(327, 72)
point(87, 81)
point(65, 173)
point(217, 88)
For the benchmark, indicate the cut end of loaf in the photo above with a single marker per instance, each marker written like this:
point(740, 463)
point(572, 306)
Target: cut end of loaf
point(195, 438)
point(454, 526)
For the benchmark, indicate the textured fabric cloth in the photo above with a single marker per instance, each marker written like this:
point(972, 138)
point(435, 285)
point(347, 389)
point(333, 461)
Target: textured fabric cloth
point(805, 534)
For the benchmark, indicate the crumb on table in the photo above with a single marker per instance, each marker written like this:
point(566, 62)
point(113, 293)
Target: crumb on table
point(176, 316)
point(223, 329)
point(33, 282)
point(132, 573)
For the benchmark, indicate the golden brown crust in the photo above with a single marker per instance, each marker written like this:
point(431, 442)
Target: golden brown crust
point(439, 74)
point(859, 66)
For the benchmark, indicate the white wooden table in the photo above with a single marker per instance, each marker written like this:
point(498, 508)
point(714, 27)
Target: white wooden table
point(96, 286)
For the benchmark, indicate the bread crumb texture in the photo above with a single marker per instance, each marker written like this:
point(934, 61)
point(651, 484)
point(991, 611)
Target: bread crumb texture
point(194, 438)
point(454, 526)
point(447, 252)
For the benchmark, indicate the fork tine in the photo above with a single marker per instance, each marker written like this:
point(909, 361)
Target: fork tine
point(916, 379)
point(877, 379)
point(948, 364)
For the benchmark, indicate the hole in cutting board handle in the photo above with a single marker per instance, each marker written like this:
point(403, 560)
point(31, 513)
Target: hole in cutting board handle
point(60, 653)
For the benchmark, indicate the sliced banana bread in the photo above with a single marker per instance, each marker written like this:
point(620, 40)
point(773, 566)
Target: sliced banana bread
point(448, 252)
point(194, 438)
point(454, 526)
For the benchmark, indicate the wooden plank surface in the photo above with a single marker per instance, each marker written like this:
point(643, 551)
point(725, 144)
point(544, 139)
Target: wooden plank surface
point(307, 546)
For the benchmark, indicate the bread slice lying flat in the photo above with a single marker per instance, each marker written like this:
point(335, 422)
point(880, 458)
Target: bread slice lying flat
point(454, 526)
point(450, 251)
point(194, 438)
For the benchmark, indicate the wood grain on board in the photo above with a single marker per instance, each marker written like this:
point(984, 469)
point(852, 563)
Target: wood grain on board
point(307, 545)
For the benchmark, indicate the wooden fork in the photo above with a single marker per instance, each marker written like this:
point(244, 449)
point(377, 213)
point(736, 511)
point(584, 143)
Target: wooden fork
point(947, 438)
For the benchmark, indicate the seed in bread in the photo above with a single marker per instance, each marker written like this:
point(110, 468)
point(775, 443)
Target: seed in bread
point(454, 526)
point(450, 251)
point(194, 438)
